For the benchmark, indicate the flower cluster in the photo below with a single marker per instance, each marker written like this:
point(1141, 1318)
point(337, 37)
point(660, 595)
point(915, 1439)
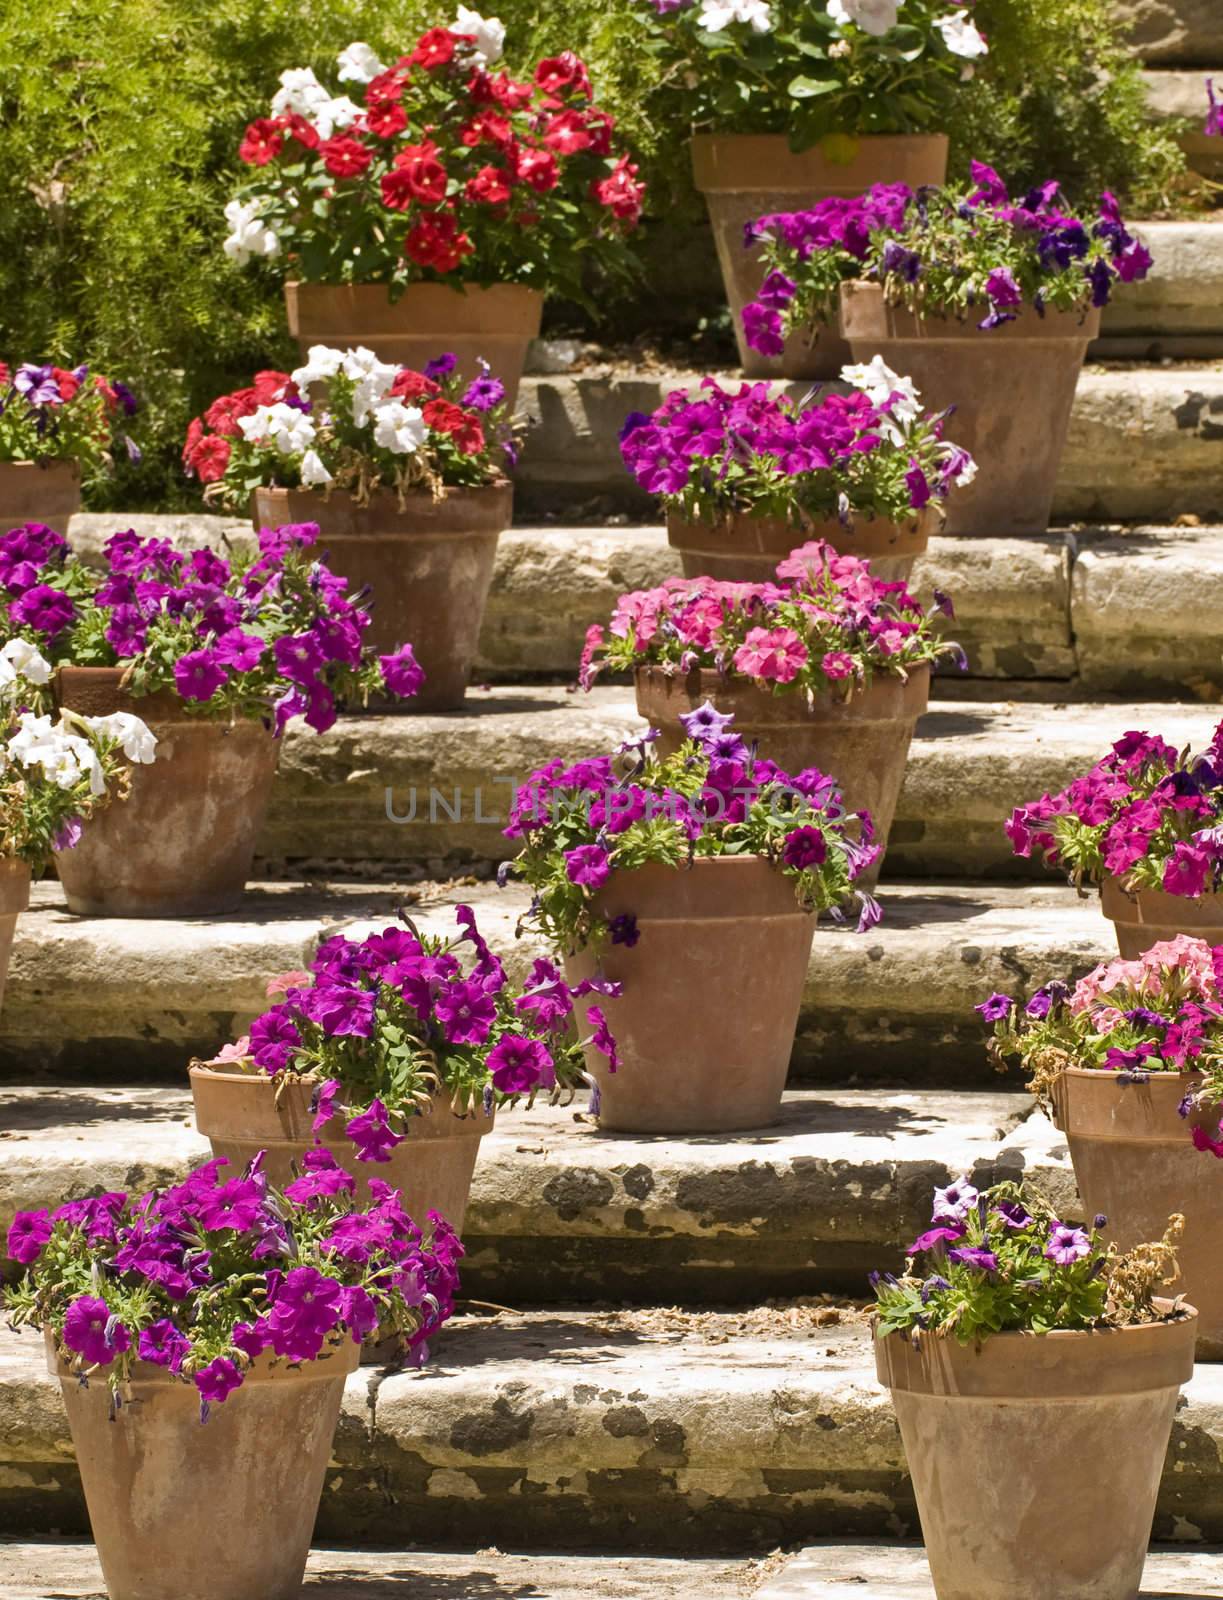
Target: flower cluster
point(967, 250)
point(269, 635)
point(1162, 1012)
point(380, 426)
point(871, 453)
point(383, 1025)
point(204, 1278)
point(441, 168)
point(1000, 1261)
point(54, 774)
point(714, 797)
point(48, 413)
point(1147, 815)
point(827, 625)
point(827, 70)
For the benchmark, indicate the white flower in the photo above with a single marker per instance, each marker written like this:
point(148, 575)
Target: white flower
point(399, 428)
point(372, 380)
point(718, 14)
point(875, 17)
point(489, 35)
point(313, 472)
point(299, 92)
point(358, 64)
point(20, 658)
point(334, 115)
point(961, 35)
point(249, 235)
point(289, 429)
point(322, 362)
point(966, 467)
point(137, 739)
point(63, 756)
point(879, 383)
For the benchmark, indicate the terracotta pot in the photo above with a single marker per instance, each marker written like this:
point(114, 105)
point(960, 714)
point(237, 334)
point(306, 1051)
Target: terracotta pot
point(863, 742)
point(182, 843)
point(1135, 1163)
point(1149, 916)
point(35, 491)
point(222, 1511)
point(1012, 389)
point(428, 568)
point(747, 175)
point(240, 1114)
point(14, 898)
point(742, 548)
point(429, 319)
point(712, 989)
point(1036, 1459)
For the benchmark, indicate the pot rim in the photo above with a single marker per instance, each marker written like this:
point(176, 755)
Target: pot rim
point(450, 493)
point(68, 464)
point(341, 1360)
point(231, 1072)
point(1054, 328)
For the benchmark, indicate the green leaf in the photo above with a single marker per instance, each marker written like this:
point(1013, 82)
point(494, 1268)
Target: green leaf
point(805, 88)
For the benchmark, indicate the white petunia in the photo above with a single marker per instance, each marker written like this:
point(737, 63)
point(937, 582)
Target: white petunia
point(300, 93)
point(249, 234)
point(313, 472)
point(138, 741)
point(399, 428)
point(334, 115)
point(879, 383)
point(284, 426)
point(961, 35)
point(875, 17)
point(63, 756)
point(322, 362)
point(718, 14)
point(358, 64)
point(489, 35)
point(372, 380)
point(20, 658)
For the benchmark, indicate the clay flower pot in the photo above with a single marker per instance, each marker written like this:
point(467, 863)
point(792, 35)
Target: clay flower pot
point(862, 742)
point(36, 491)
point(427, 320)
point(1149, 916)
point(429, 568)
point(712, 990)
point(14, 898)
point(1036, 1459)
point(183, 842)
point(241, 1113)
point(1012, 388)
point(1135, 1163)
point(744, 548)
point(746, 175)
point(222, 1511)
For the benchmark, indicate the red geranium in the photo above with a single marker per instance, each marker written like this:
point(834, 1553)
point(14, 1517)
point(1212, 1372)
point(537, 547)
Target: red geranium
point(490, 186)
point(568, 133)
point(620, 193)
point(487, 125)
point(435, 48)
point(535, 167)
point(565, 74)
point(298, 128)
point(262, 142)
point(417, 175)
point(437, 241)
point(386, 119)
point(345, 157)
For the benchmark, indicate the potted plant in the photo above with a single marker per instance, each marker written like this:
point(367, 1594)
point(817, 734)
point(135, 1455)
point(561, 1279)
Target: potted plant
point(216, 654)
point(224, 1302)
point(54, 775)
point(795, 102)
point(681, 893)
point(391, 1056)
point(1146, 825)
point(56, 427)
point(1034, 1375)
point(439, 207)
point(403, 471)
point(988, 303)
point(825, 668)
point(1129, 1064)
point(743, 476)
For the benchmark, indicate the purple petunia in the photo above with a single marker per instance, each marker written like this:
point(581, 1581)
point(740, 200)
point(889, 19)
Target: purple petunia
point(372, 1133)
point(28, 1233)
point(199, 674)
point(402, 673)
point(588, 866)
point(92, 1331)
point(1067, 1245)
point(519, 1065)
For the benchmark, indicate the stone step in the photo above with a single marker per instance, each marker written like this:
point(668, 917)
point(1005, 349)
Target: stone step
point(1179, 98)
point(1180, 33)
point(633, 1431)
point(113, 1001)
point(1177, 311)
point(561, 1212)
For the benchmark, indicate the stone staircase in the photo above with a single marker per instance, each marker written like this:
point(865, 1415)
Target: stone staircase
point(664, 1349)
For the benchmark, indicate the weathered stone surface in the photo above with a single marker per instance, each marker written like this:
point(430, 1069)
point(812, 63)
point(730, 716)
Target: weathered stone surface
point(1181, 32)
point(1178, 309)
point(634, 1431)
point(1145, 606)
point(186, 530)
point(98, 1000)
point(561, 1212)
point(1180, 98)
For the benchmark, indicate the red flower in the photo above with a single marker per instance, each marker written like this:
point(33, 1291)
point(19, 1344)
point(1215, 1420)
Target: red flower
point(270, 386)
point(67, 382)
point(508, 94)
point(619, 193)
point(436, 242)
point(386, 119)
point(416, 175)
point(345, 157)
point(434, 48)
point(563, 75)
point(410, 384)
point(535, 167)
point(463, 426)
point(262, 142)
point(387, 87)
point(222, 415)
point(490, 187)
point(600, 125)
point(296, 126)
point(487, 125)
point(210, 458)
point(195, 432)
point(4, 374)
point(568, 133)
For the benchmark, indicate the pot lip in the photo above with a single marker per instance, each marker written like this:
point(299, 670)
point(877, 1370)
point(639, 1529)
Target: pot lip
point(1099, 1074)
point(461, 287)
point(1114, 890)
point(710, 678)
point(230, 1072)
point(67, 464)
point(162, 708)
point(342, 1359)
point(925, 519)
point(450, 494)
point(1013, 1337)
point(1087, 324)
